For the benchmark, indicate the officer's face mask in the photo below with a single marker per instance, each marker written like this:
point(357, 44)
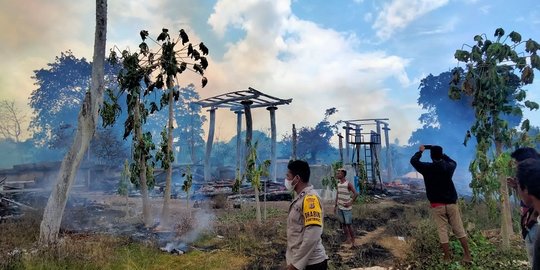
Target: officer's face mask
point(289, 184)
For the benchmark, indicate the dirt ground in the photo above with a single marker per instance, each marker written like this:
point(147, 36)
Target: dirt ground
point(377, 243)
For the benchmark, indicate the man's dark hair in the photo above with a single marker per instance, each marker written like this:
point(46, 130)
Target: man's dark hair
point(300, 168)
point(528, 174)
point(436, 152)
point(524, 153)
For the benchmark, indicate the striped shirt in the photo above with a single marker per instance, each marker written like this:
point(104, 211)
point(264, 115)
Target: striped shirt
point(344, 195)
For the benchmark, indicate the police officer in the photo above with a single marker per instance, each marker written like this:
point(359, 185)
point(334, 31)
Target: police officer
point(305, 221)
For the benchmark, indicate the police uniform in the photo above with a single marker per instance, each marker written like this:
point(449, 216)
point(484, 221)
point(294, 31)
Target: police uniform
point(304, 230)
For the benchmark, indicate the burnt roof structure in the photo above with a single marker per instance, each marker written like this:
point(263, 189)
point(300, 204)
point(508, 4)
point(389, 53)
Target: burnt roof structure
point(241, 102)
point(233, 100)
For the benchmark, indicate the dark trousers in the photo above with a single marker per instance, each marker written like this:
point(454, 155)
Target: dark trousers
point(318, 266)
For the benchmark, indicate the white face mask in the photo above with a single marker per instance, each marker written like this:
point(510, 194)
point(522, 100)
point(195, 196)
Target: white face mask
point(289, 185)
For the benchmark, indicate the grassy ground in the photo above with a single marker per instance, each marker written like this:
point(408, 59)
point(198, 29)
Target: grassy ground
point(388, 233)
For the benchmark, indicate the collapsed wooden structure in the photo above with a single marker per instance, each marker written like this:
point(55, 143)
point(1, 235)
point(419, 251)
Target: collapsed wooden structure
point(241, 102)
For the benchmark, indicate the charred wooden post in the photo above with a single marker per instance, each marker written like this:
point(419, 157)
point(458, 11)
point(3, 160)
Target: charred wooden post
point(389, 167)
point(209, 142)
point(249, 122)
point(273, 167)
point(347, 142)
point(340, 148)
point(293, 157)
point(239, 141)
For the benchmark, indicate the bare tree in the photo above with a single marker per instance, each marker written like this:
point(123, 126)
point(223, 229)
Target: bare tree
point(11, 119)
point(87, 120)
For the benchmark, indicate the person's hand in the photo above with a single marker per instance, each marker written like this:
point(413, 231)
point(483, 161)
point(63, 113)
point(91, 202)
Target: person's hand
point(348, 204)
point(335, 209)
point(421, 148)
point(512, 182)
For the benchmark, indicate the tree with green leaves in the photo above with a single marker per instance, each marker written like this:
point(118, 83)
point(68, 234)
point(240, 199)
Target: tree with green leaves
point(61, 89)
point(490, 79)
point(253, 174)
point(87, 122)
point(313, 141)
point(186, 187)
point(129, 78)
point(330, 181)
point(158, 70)
point(172, 61)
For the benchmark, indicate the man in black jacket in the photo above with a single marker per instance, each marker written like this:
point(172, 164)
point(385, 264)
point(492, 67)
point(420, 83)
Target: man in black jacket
point(442, 195)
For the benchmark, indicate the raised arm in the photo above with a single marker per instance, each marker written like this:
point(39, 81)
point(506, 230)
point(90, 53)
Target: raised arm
point(416, 163)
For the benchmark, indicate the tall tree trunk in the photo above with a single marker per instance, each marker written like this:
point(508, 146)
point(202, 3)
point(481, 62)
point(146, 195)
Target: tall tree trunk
point(167, 196)
point(87, 120)
point(506, 219)
point(147, 219)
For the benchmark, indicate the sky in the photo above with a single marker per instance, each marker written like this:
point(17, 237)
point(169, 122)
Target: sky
point(363, 57)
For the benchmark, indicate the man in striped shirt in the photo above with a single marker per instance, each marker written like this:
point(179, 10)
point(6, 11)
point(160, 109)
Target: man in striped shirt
point(346, 195)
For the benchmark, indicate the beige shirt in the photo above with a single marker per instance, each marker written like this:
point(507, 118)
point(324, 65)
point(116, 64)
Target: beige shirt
point(304, 243)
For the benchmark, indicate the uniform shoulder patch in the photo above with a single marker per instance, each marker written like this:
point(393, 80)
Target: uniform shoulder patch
point(312, 211)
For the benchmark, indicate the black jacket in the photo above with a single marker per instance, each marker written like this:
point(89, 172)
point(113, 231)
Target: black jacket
point(437, 178)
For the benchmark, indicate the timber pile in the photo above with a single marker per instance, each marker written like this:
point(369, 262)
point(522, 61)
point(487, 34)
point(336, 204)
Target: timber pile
point(274, 191)
point(7, 209)
point(10, 209)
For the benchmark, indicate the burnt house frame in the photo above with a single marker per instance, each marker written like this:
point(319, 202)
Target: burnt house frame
point(241, 102)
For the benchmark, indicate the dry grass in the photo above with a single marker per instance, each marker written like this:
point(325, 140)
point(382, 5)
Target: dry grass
point(237, 241)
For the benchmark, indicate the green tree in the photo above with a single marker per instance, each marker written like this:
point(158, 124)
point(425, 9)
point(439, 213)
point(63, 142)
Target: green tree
point(61, 89)
point(253, 174)
point(315, 140)
point(172, 61)
point(129, 78)
point(330, 181)
point(157, 69)
point(186, 186)
point(495, 90)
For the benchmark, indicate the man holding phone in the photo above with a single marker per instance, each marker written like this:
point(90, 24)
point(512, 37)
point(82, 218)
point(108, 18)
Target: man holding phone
point(442, 195)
